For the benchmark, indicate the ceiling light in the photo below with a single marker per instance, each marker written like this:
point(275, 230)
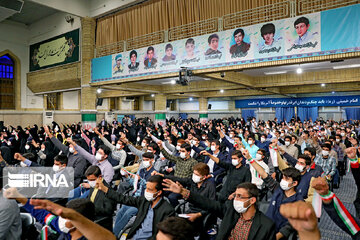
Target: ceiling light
point(299, 70)
point(333, 92)
point(173, 82)
point(221, 90)
point(347, 66)
point(323, 84)
point(99, 90)
point(152, 95)
point(274, 73)
point(190, 99)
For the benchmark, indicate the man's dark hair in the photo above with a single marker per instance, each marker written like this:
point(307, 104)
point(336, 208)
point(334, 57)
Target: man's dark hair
point(293, 136)
point(252, 136)
point(252, 190)
point(293, 173)
point(93, 170)
point(190, 41)
point(306, 158)
point(306, 132)
point(61, 158)
point(132, 53)
point(83, 206)
point(262, 151)
point(267, 28)
point(148, 155)
point(106, 149)
point(212, 36)
point(202, 168)
point(153, 145)
point(287, 137)
point(326, 145)
point(237, 153)
point(30, 156)
point(186, 146)
point(302, 20)
point(216, 142)
point(239, 30)
point(158, 180)
point(176, 227)
point(168, 46)
point(311, 150)
point(150, 49)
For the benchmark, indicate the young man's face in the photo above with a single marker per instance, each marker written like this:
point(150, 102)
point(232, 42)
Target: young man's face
point(150, 54)
point(118, 62)
point(239, 38)
point(133, 59)
point(269, 38)
point(168, 52)
point(189, 48)
point(301, 29)
point(214, 44)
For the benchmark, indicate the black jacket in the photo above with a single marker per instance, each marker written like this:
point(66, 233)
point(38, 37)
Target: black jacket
point(161, 211)
point(262, 227)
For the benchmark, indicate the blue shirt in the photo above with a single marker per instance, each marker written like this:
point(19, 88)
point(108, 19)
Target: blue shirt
point(145, 232)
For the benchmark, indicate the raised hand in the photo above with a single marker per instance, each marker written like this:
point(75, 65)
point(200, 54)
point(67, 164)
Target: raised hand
point(172, 186)
point(351, 152)
point(320, 185)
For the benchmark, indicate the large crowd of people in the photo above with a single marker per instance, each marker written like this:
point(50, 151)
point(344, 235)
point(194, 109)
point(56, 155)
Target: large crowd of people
point(230, 178)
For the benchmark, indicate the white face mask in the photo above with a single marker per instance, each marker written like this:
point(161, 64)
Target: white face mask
point(43, 149)
point(9, 143)
point(239, 206)
point(146, 164)
point(284, 185)
point(299, 167)
point(231, 135)
point(92, 183)
point(143, 144)
point(98, 156)
point(118, 146)
point(56, 168)
point(235, 162)
point(27, 147)
point(206, 144)
point(203, 137)
point(325, 153)
point(22, 164)
point(213, 148)
point(62, 226)
point(150, 196)
point(71, 150)
point(282, 134)
point(250, 142)
point(183, 155)
point(258, 156)
point(138, 139)
point(43, 156)
point(338, 140)
point(287, 143)
point(196, 178)
point(178, 147)
point(342, 134)
point(263, 139)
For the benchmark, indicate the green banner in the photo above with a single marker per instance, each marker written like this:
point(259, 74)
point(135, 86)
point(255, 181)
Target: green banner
point(88, 117)
point(55, 51)
point(203, 115)
point(160, 116)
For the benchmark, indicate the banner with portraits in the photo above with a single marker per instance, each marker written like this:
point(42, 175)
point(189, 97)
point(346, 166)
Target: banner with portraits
point(296, 37)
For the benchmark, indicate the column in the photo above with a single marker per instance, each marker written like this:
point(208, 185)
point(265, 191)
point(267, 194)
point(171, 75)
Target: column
point(160, 109)
point(141, 103)
point(88, 94)
point(203, 110)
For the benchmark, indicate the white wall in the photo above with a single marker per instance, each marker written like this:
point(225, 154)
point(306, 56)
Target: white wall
point(188, 106)
point(126, 105)
point(148, 105)
point(71, 100)
point(219, 105)
point(104, 106)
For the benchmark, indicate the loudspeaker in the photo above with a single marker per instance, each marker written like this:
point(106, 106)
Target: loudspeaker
point(99, 102)
point(168, 103)
point(1, 125)
point(209, 106)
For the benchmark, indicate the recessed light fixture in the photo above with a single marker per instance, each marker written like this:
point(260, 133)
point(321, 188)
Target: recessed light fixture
point(323, 85)
point(347, 66)
point(152, 95)
point(99, 90)
point(333, 92)
point(275, 73)
point(299, 70)
point(190, 99)
point(173, 81)
point(221, 90)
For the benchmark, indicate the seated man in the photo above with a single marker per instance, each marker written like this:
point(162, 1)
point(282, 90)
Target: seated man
point(240, 217)
point(100, 159)
point(255, 177)
point(175, 228)
point(152, 208)
point(236, 173)
point(327, 163)
point(125, 213)
point(203, 184)
point(10, 224)
point(283, 192)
